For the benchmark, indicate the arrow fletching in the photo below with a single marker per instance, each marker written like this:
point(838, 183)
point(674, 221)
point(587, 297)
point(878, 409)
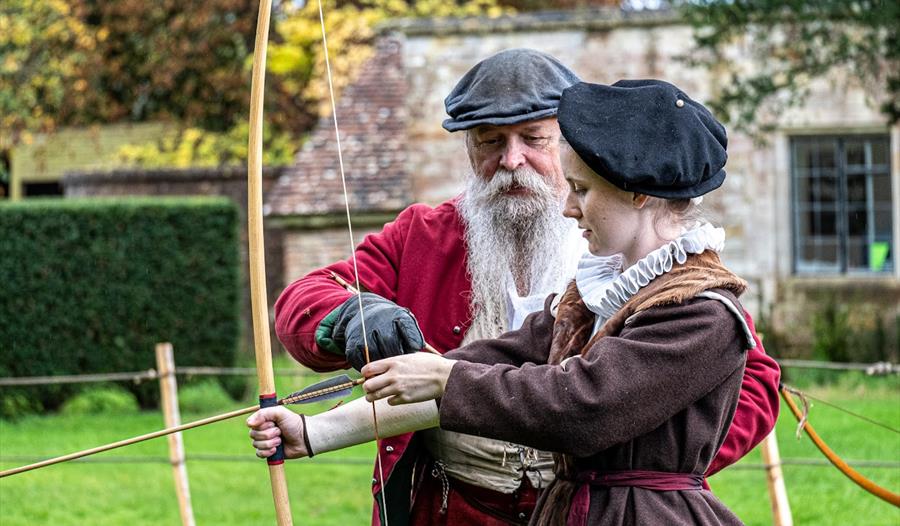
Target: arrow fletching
point(337, 387)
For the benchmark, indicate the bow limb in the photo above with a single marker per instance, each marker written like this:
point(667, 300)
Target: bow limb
point(259, 302)
point(843, 467)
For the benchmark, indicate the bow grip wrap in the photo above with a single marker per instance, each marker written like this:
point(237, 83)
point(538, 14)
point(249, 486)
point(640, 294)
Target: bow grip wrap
point(270, 400)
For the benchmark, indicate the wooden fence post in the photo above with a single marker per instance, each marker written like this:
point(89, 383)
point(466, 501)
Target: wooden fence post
point(165, 364)
point(781, 509)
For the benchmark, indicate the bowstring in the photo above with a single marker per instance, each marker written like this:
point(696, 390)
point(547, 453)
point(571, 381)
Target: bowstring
point(337, 135)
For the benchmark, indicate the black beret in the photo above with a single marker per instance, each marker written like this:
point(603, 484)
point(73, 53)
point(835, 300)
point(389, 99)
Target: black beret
point(513, 86)
point(645, 136)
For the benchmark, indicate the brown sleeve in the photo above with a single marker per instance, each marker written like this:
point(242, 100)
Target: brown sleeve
point(625, 386)
point(530, 343)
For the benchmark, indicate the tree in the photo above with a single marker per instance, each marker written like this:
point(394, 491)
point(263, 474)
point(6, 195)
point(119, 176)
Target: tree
point(44, 49)
point(791, 43)
point(296, 63)
point(81, 62)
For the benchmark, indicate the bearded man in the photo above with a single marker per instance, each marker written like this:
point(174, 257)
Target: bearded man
point(472, 268)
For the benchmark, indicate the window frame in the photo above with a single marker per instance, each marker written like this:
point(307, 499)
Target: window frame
point(842, 204)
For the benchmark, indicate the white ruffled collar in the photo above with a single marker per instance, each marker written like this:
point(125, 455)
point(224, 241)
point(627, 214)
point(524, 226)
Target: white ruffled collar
point(604, 287)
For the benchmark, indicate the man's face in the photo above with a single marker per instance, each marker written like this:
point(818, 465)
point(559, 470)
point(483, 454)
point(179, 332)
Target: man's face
point(532, 145)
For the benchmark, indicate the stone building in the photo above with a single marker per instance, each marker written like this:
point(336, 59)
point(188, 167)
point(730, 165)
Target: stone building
point(811, 216)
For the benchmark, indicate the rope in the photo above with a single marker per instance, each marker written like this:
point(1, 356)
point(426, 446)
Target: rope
point(849, 412)
point(135, 377)
point(149, 374)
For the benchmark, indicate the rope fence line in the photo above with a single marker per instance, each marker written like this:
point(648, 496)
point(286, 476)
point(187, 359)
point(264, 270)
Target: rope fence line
point(135, 377)
point(149, 374)
point(149, 459)
point(871, 369)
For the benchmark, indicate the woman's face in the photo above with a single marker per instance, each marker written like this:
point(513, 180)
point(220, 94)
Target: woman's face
point(610, 219)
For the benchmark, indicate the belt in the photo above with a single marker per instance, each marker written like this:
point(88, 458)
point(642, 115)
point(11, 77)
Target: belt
point(633, 478)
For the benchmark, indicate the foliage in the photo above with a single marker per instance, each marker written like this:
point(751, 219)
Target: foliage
point(203, 397)
point(44, 52)
point(90, 286)
point(841, 337)
point(99, 400)
point(84, 62)
point(15, 405)
point(296, 61)
point(194, 147)
point(792, 43)
point(169, 60)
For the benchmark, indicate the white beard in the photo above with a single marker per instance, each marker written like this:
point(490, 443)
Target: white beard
point(514, 242)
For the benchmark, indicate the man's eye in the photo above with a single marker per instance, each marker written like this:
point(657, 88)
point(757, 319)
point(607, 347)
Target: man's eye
point(535, 138)
point(488, 142)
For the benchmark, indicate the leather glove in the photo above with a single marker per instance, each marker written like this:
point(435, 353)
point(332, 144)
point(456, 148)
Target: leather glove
point(391, 330)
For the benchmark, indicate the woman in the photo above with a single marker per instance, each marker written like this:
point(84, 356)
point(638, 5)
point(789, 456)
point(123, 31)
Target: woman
point(632, 374)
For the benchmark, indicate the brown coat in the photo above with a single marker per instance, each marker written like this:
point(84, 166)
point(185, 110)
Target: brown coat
point(656, 392)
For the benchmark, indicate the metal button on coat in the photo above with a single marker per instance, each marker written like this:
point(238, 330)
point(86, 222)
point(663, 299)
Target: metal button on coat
point(679, 103)
point(389, 449)
point(457, 329)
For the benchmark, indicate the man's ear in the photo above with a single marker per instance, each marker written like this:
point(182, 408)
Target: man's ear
point(639, 200)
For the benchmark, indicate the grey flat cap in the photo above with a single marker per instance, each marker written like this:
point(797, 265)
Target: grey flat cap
point(513, 86)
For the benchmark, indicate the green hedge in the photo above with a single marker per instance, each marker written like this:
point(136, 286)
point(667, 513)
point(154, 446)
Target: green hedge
point(90, 286)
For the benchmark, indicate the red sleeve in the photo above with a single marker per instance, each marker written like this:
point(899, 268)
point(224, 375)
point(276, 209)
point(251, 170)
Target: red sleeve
point(757, 408)
point(304, 303)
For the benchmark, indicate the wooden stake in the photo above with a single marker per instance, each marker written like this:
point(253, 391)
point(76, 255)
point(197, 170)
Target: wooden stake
point(168, 388)
point(781, 508)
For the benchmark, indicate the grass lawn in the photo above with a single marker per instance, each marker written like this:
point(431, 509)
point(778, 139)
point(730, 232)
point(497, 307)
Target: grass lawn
point(333, 489)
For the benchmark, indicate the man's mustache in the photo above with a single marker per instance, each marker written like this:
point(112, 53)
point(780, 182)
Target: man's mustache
point(506, 180)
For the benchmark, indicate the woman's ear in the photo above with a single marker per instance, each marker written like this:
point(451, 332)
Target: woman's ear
point(639, 200)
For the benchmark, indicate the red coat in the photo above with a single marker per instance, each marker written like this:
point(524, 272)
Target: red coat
point(419, 262)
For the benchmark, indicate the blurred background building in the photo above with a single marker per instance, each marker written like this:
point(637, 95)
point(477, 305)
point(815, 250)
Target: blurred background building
point(811, 204)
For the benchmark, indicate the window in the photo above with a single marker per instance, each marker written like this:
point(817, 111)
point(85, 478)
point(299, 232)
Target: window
point(842, 204)
point(41, 189)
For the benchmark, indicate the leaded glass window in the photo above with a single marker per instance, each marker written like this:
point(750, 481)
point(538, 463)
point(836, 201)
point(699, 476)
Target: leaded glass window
point(842, 204)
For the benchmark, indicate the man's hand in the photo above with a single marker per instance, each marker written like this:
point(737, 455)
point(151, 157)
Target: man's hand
point(391, 330)
point(271, 426)
point(406, 379)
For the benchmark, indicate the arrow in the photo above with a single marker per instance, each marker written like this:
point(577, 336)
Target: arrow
point(336, 387)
